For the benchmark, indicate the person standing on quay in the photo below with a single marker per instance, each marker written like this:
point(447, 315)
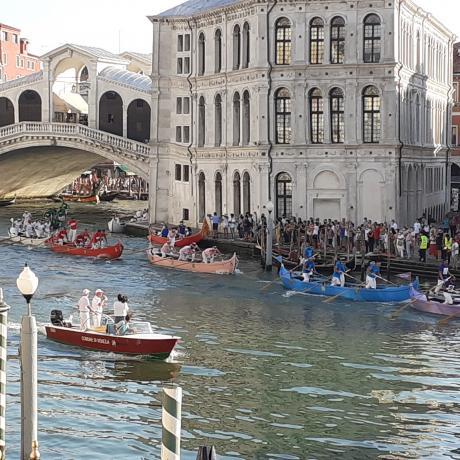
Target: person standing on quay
point(423, 247)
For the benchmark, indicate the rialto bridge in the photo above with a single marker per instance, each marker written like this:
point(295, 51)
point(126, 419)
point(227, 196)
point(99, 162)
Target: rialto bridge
point(85, 105)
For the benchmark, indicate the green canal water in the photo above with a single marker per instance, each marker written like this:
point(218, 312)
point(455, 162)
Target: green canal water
point(265, 375)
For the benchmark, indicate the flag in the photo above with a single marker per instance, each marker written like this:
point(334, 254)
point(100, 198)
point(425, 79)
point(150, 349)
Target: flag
point(405, 276)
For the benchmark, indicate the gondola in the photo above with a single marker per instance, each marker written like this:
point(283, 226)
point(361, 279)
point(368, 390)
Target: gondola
point(108, 196)
point(357, 292)
point(7, 202)
point(181, 242)
point(109, 252)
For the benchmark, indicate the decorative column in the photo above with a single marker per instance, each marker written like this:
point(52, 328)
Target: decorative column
point(3, 357)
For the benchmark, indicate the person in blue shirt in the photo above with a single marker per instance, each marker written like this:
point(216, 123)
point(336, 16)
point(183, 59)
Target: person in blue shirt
point(371, 277)
point(164, 231)
point(182, 229)
point(308, 270)
point(338, 277)
point(308, 252)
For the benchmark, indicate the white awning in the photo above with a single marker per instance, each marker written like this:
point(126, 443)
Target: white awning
point(70, 101)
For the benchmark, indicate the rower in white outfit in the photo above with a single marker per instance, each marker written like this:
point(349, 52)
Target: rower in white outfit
point(97, 306)
point(84, 309)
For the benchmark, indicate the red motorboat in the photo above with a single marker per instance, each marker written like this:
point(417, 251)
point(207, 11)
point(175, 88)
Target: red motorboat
point(180, 243)
point(109, 252)
point(141, 342)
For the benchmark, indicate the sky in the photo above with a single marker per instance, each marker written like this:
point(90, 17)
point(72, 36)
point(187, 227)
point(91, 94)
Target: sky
point(118, 26)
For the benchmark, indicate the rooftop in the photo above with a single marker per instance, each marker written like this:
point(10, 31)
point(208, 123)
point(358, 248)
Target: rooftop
point(192, 7)
point(125, 77)
point(98, 52)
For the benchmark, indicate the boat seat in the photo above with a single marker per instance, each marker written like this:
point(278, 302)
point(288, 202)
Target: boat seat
point(100, 329)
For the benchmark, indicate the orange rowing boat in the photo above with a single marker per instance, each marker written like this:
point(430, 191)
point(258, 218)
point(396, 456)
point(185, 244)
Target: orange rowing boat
point(180, 243)
point(226, 267)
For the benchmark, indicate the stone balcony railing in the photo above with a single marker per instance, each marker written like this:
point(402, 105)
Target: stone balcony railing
point(80, 132)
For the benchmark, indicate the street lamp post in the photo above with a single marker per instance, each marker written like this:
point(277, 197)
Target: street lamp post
point(269, 245)
point(27, 284)
point(3, 357)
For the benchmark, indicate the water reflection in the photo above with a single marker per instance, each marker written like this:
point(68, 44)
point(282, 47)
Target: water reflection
point(264, 375)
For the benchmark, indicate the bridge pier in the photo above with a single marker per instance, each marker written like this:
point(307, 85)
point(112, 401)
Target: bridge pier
point(153, 171)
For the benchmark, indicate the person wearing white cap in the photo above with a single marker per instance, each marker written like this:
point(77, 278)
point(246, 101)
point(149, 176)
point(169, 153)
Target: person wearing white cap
point(97, 305)
point(84, 309)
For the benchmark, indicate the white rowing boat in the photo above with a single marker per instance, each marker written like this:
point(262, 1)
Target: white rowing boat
point(28, 241)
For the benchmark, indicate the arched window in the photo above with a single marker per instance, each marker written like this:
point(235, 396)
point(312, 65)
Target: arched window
point(337, 40)
point(246, 51)
point(372, 38)
point(246, 193)
point(218, 51)
point(218, 121)
point(201, 54)
point(316, 41)
point(84, 75)
point(371, 115)
point(236, 47)
point(337, 115)
point(237, 194)
point(201, 197)
point(283, 195)
point(6, 112)
point(283, 41)
point(236, 119)
point(201, 122)
point(283, 132)
point(218, 193)
point(246, 119)
point(316, 116)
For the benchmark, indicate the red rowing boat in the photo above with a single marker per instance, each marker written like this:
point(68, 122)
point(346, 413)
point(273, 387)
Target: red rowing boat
point(142, 342)
point(109, 252)
point(180, 243)
point(79, 198)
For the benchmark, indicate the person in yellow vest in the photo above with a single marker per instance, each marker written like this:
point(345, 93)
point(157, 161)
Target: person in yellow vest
point(447, 247)
point(423, 247)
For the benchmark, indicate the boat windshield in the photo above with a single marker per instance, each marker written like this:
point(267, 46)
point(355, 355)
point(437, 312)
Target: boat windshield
point(141, 327)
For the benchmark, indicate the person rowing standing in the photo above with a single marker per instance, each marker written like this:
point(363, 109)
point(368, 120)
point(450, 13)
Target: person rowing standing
point(188, 252)
point(338, 277)
point(373, 272)
point(443, 276)
point(308, 270)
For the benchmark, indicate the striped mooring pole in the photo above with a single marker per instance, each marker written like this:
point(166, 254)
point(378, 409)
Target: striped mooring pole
point(171, 421)
point(3, 357)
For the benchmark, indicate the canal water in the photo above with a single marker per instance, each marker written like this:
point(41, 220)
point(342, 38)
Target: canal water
point(266, 375)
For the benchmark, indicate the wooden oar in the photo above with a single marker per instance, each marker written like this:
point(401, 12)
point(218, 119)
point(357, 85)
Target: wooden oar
point(396, 313)
point(445, 321)
point(331, 299)
point(386, 281)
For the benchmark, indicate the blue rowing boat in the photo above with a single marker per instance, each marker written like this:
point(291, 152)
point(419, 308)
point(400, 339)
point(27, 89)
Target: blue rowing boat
point(357, 292)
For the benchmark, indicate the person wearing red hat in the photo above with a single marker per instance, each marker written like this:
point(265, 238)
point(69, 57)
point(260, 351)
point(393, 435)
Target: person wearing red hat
point(72, 230)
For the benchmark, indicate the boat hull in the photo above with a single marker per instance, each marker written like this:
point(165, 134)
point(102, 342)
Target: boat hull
point(436, 308)
point(180, 243)
point(29, 241)
point(356, 294)
point(80, 198)
point(109, 252)
point(156, 346)
point(226, 267)
point(7, 202)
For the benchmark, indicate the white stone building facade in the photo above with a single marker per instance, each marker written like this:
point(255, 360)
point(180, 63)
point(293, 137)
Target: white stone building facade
point(328, 108)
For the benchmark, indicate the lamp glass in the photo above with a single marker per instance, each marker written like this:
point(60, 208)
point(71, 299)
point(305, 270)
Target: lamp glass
point(27, 282)
point(270, 206)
